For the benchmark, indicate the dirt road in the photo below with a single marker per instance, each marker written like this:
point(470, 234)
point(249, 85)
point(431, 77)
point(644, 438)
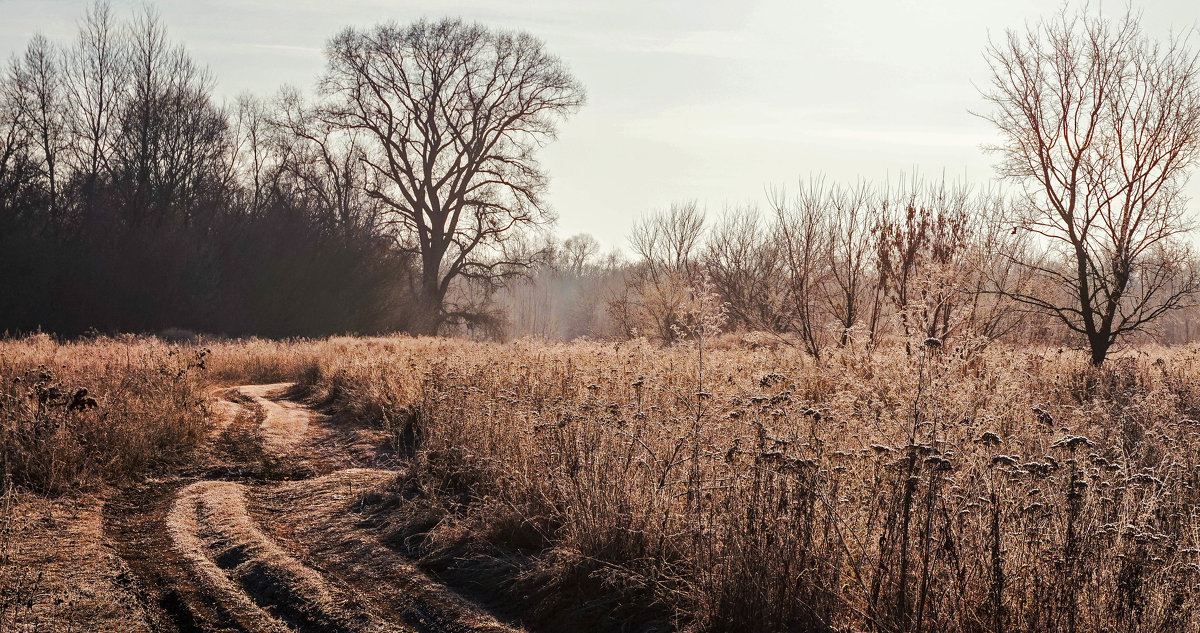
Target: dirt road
point(267, 532)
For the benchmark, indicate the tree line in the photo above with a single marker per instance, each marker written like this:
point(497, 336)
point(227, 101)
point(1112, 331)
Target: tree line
point(1099, 129)
point(406, 195)
point(130, 200)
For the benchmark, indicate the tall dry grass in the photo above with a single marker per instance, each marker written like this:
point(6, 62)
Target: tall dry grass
point(963, 488)
point(970, 488)
point(74, 414)
point(264, 361)
point(108, 410)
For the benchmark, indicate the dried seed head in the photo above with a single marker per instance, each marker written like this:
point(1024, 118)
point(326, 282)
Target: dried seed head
point(1004, 460)
point(1072, 442)
point(989, 439)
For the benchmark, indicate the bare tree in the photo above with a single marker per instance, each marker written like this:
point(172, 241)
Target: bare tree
point(657, 291)
point(852, 293)
point(1100, 126)
point(327, 166)
point(577, 254)
point(172, 142)
point(452, 116)
point(16, 164)
point(249, 156)
point(37, 81)
point(745, 266)
point(95, 73)
point(801, 231)
point(12, 138)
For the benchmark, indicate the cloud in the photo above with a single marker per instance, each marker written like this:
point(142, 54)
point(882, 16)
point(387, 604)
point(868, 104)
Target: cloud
point(307, 50)
point(760, 123)
point(724, 44)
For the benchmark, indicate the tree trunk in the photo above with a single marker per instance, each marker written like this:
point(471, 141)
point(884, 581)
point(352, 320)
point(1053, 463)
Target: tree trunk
point(1099, 346)
point(428, 317)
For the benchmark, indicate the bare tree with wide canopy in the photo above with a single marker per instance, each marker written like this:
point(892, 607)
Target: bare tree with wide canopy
point(451, 116)
point(1100, 125)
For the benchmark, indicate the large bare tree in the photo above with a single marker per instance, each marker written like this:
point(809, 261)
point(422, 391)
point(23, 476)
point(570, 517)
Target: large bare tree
point(1100, 126)
point(451, 114)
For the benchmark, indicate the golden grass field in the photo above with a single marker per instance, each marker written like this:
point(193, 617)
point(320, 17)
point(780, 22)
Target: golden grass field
point(615, 486)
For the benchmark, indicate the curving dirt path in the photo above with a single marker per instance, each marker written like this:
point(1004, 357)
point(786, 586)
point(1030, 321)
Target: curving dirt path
point(265, 533)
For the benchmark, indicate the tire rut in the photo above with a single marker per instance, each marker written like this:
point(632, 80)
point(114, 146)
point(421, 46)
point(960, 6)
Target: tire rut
point(329, 528)
point(169, 600)
point(212, 548)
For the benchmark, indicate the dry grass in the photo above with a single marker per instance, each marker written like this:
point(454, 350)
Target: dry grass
point(76, 414)
point(259, 361)
point(964, 489)
point(959, 488)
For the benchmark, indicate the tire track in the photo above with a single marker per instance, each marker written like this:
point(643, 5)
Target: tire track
point(260, 535)
point(329, 528)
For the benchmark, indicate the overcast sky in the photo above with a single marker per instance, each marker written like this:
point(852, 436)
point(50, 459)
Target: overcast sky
point(703, 99)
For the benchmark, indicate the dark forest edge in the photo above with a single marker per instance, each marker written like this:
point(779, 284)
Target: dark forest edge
point(131, 201)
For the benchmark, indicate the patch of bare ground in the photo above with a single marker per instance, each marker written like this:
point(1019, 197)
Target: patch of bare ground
point(58, 574)
point(284, 423)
